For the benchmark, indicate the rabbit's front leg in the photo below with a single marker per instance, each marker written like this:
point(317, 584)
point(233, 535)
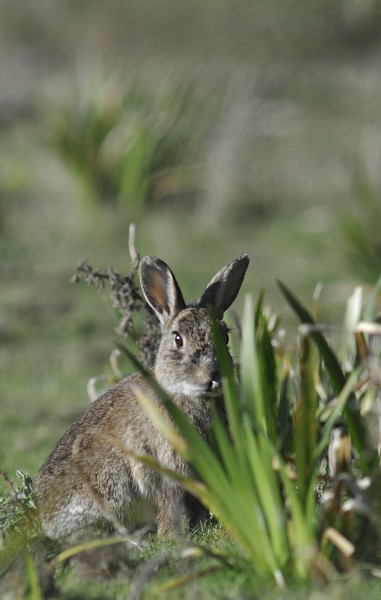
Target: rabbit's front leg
point(169, 509)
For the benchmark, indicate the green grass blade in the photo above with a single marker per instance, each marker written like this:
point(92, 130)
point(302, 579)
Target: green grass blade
point(268, 373)
point(305, 431)
point(248, 510)
point(31, 580)
point(252, 389)
point(260, 459)
point(230, 456)
point(245, 516)
point(301, 528)
point(231, 395)
point(233, 498)
point(347, 351)
point(284, 441)
point(189, 444)
point(369, 309)
point(259, 377)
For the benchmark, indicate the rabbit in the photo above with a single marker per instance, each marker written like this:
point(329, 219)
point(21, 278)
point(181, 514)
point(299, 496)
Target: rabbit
point(87, 478)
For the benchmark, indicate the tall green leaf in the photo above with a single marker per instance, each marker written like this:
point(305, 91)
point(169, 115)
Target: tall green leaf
point(257, 383)
point(260, 458)
point(369, 308)
point(266, 370)
point(305, 417)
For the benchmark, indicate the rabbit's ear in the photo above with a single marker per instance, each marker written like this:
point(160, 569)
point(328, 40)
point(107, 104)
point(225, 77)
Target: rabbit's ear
point(160, 288)
point(222, 290)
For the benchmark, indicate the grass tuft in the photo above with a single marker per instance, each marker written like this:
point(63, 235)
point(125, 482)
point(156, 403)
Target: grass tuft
point(293, 482)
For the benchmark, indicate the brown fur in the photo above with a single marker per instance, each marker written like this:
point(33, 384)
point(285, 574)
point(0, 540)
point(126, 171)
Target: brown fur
point(87, 478)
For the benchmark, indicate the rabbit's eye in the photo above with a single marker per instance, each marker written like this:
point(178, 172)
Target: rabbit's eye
point(178, 340)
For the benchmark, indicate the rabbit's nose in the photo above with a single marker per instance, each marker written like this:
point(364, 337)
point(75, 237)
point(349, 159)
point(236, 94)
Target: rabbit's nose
point(215, 380)
point(215, 375)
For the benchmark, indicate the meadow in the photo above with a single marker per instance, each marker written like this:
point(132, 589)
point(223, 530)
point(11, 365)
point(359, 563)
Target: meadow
point(218, 129)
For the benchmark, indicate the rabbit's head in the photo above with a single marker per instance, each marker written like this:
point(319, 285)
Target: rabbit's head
point(186, 362)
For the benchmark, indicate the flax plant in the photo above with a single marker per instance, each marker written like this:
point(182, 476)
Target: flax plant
point(263, 477)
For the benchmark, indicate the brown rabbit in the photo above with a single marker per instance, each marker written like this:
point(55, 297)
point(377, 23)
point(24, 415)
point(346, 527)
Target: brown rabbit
point(87, 477)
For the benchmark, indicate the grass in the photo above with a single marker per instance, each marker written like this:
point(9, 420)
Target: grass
point(133, 144)
point(280, 515)
point(276, 183)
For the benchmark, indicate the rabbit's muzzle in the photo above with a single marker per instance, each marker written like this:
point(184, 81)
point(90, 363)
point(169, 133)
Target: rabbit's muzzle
point(206, 377)
point(200, 376)
point(214, 386)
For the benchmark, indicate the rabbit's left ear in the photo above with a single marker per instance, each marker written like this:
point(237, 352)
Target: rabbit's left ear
point(160, 288)
point(222, 290)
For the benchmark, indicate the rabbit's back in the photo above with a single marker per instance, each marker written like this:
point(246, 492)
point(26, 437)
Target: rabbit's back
point(117, 407)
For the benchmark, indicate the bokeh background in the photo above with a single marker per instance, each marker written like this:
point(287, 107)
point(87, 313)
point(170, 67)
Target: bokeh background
point(218, 127)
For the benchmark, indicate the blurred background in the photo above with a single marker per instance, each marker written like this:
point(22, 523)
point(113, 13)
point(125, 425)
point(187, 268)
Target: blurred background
point(218, 127)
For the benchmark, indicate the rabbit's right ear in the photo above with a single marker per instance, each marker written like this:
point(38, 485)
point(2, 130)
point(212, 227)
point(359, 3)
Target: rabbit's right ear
point(160, 288)
point(222, 290)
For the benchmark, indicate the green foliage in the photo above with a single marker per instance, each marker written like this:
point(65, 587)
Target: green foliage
point(280, 507)
point(31, 580)
point(333, 369)
point(305, 421)
point(136, 142)
point(19, 534)
point(19, 503)
point(280, 512)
